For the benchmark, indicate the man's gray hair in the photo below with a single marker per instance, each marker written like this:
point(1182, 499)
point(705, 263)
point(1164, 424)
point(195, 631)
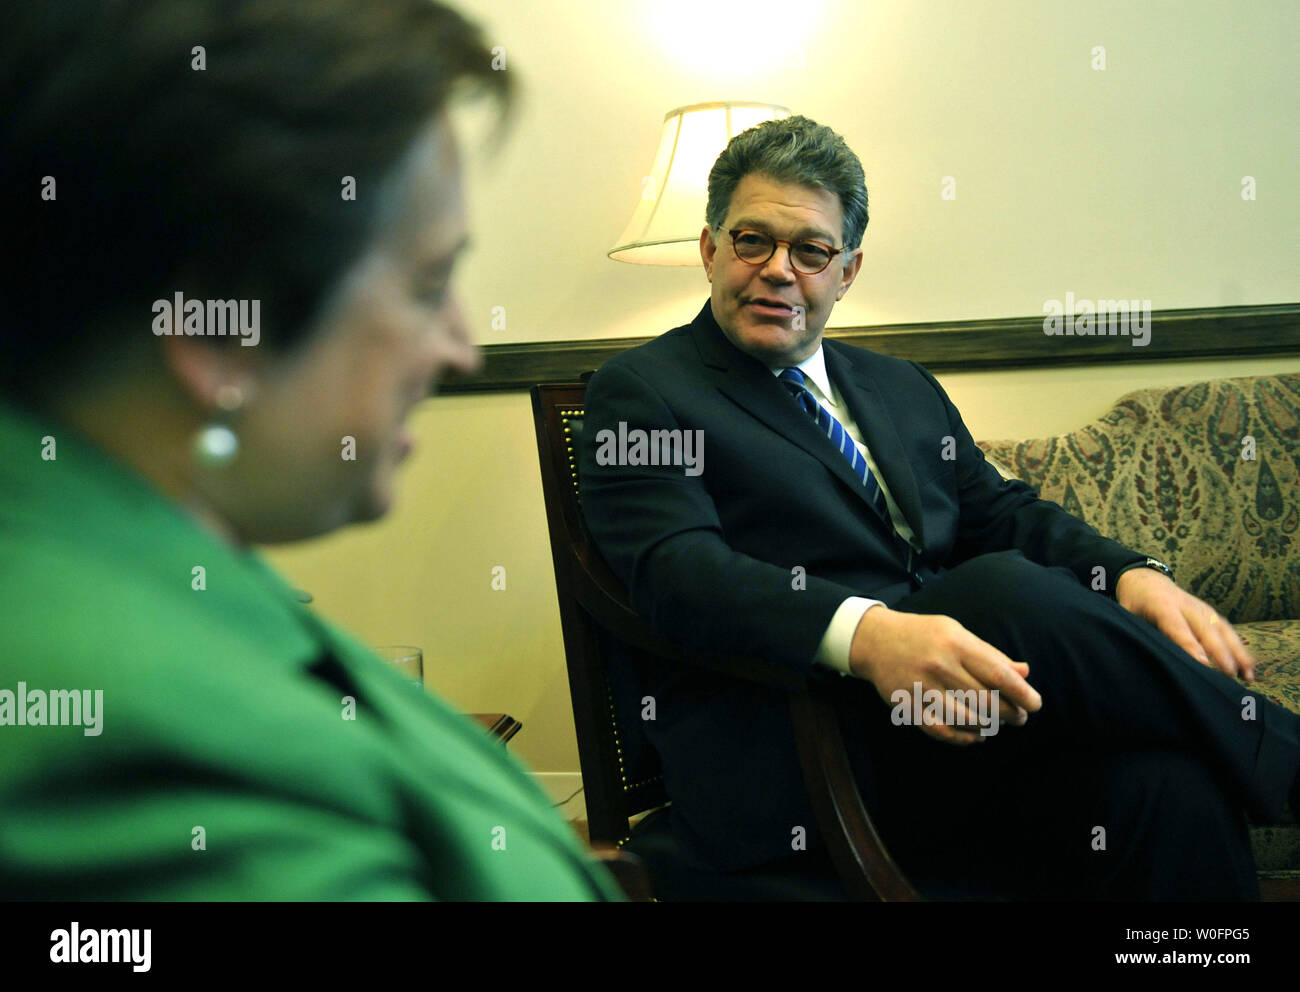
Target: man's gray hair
point(792, 150)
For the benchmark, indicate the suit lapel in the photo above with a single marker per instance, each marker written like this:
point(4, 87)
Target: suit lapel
point(880, 432)
point(752, 386)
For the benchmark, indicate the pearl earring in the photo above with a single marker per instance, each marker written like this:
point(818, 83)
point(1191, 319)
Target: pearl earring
point(216, 445)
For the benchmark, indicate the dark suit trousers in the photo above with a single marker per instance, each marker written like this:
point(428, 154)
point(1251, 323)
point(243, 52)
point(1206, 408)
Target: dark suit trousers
point(1129, 783)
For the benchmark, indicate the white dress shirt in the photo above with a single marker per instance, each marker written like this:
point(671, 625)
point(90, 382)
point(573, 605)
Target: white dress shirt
point(834, 648)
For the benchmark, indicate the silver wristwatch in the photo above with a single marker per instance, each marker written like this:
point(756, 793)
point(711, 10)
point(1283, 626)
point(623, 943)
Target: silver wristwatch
point(1155, 563)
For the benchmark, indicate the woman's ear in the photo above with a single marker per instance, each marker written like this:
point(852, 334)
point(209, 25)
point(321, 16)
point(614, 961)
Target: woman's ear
point(206, 372)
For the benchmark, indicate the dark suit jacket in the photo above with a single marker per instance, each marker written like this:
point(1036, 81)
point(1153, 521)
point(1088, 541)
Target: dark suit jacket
point(711, 559)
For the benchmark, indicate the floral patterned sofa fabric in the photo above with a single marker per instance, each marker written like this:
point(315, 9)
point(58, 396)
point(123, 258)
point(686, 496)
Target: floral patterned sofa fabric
point(1207, 478)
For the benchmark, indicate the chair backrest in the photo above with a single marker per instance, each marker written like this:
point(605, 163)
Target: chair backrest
point(603, 637)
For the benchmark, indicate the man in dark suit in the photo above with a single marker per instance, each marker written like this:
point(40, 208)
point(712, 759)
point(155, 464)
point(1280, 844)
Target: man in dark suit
point(763, 492)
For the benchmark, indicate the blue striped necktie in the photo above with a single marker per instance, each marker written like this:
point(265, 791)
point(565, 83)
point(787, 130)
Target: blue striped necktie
point(793, 380)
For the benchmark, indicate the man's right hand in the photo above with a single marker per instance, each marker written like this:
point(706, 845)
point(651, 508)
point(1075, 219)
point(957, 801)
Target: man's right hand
point(895, 650)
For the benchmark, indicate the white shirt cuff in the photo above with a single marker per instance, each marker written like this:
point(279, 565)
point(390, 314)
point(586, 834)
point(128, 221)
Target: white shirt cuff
point(834, 649)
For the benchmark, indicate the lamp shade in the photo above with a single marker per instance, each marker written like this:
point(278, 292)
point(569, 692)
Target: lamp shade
point(665, 226)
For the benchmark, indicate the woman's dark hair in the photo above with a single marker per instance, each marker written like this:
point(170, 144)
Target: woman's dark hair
point(201, 146)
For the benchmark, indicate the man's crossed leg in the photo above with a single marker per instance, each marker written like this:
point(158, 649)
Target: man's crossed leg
point(1129, 782)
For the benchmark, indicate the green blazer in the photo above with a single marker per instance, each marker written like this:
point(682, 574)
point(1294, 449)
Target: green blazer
point(241, 748)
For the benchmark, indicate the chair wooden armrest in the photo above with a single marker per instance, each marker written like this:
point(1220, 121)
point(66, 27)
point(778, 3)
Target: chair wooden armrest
point(856, 848)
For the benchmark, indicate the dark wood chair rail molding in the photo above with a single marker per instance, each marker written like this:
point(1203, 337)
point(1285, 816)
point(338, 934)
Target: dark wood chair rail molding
point(950, 346)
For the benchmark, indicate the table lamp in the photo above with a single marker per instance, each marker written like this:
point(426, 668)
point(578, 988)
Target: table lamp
point(665, 226)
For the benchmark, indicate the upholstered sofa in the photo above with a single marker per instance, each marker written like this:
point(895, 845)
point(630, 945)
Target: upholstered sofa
point(1205, 477)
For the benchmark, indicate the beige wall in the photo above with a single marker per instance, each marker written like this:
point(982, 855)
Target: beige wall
point(1121, 183)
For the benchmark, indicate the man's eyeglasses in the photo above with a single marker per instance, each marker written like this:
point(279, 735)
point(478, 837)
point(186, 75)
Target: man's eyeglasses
point(755, 248)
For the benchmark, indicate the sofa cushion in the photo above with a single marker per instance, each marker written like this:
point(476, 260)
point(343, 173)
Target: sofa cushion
point(1276, 646)
point(1204, 476)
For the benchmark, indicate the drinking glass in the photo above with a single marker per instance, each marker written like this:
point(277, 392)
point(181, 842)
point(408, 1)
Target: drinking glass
point(407, 660)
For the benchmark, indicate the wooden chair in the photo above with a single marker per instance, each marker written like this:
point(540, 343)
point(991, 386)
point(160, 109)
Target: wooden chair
point(620, 771)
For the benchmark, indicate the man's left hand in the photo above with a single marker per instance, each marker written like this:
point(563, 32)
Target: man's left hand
point(1190, 623)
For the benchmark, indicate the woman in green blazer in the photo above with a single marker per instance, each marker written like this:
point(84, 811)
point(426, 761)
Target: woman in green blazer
point(244, 218)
